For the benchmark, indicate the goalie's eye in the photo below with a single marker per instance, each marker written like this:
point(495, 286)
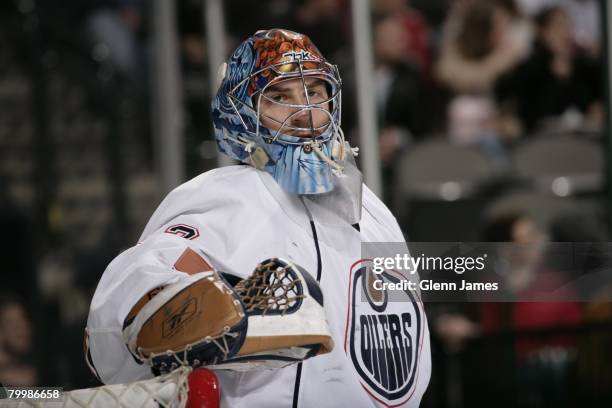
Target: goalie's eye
point(278, 98)
point(317, 92)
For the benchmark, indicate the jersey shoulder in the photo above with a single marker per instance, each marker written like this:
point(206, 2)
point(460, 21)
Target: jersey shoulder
point(374, 205)
point(374, 208)
point(235, 178)
point(225, 189)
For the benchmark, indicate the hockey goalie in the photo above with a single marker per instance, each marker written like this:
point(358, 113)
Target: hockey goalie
point(255, 270)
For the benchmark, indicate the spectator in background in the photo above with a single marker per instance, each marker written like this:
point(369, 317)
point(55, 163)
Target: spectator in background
point(401, 95)
point(543, 361)
point(482, 40)
point(527, 274)
point(520, 253)
point(16, 361)
point(584, 13)
point(401, 89)
point(417, 42)
point(557, 86)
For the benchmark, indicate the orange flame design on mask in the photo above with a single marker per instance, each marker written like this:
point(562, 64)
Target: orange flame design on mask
point(272, 49)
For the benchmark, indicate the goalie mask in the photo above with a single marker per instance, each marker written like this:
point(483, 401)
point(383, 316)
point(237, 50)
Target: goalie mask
point(278, 109)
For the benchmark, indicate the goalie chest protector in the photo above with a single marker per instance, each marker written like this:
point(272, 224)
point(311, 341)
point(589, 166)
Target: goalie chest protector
point(238, 216)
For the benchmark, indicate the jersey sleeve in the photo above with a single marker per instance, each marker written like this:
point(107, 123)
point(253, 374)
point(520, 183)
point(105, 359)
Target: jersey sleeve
point(131, 276)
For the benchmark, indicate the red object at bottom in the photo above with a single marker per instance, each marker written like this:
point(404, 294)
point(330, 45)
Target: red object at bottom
point(204, 390)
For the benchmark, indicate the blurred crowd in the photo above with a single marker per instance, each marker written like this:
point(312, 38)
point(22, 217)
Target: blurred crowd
point(538, 357)
point(483, 73)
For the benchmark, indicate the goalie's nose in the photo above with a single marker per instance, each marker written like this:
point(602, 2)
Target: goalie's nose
point(303, 119)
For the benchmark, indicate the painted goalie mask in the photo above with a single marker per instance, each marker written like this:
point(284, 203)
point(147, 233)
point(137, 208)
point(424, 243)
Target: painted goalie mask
point(278, 109)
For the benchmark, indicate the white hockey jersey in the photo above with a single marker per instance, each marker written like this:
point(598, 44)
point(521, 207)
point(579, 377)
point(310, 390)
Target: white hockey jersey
point(238, 216)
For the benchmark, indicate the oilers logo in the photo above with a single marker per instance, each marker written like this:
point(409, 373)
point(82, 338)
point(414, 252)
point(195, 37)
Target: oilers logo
point(384, 335)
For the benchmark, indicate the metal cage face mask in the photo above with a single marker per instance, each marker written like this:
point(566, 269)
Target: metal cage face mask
point(297, 139)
